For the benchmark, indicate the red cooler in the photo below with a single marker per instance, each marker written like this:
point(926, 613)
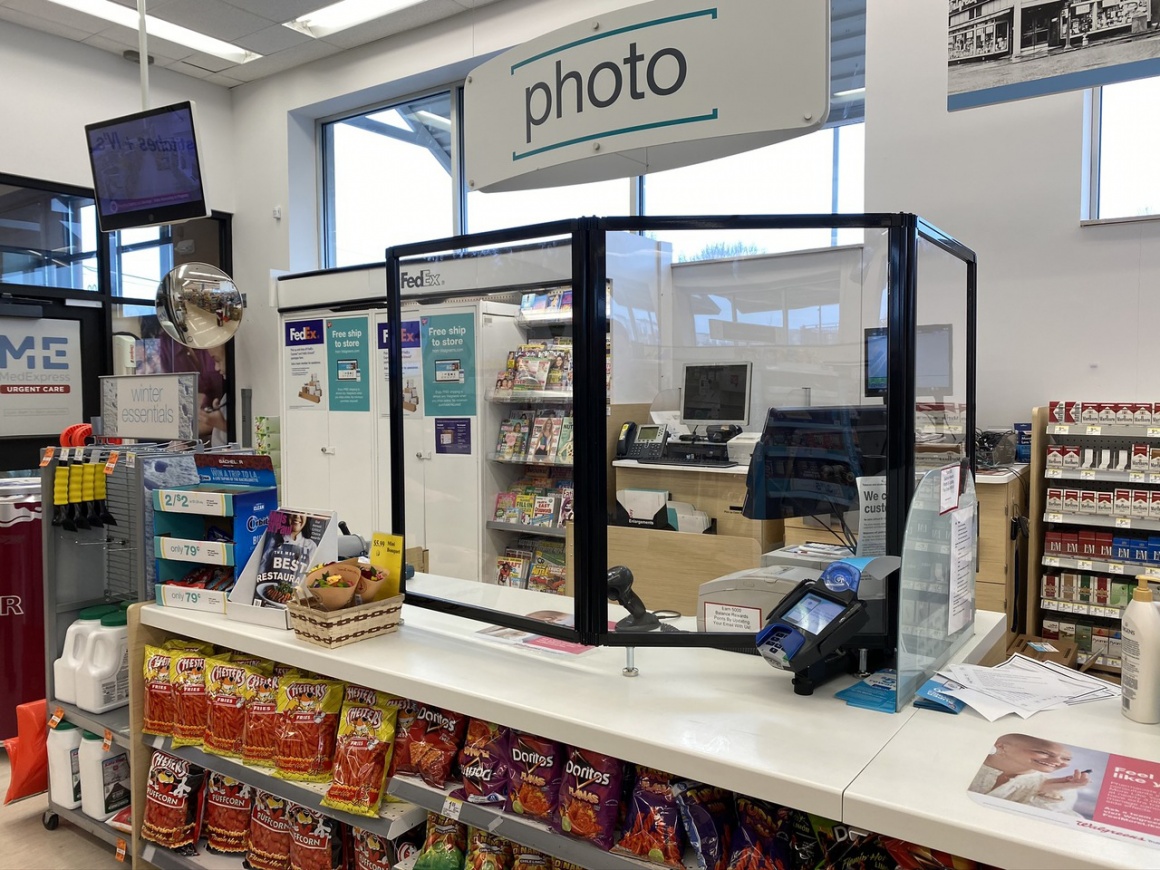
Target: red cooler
point(21, 598)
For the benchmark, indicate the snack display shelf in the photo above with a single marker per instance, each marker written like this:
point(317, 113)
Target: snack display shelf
point(1105, 474)
point(533, 834)
point(1113, 430)
point(1102, 521)
point(1128, 569)
point(116, 720)
point(394, 818)
point(100, 830)
point(1080, 609)
point(164, 859)
point(546, 531)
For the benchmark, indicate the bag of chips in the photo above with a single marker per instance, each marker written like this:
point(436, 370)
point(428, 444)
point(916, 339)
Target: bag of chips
point(707, 815)
point(526, 858)
point(487, 851)
point(308, 711)
point(483, 763)
point(755, 842)
point(432, 745)
point(228, 805)
point(260, 712)
point(187, 678)
point(158, 715)
point(372, 851)
point(366, 736)
point(316, 841)
point(405, 718)
point(268, 844)
point(534, 776)
point(653, 826)
point(172, 816)
point(225, 719)
point(589, 800)
point(443, 848)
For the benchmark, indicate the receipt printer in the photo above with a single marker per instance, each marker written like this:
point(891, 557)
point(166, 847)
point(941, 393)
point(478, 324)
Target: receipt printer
point(741, 447)
point(741, 601)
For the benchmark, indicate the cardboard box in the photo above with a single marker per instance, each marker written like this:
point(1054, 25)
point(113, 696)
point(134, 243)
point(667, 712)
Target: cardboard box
point(1108, 411)
point(1104, 504)
point(1089, 412)
point(1104, 545)
point(1087, 544)
point(1052, 543)
point(1125, 412)
point(1088, 502)
point(1122, 502)
point(1055, 455)
point(1049, 586)
point(1141, 458)
point(1044, 649)
point(1055, 499)
point(1142, 413)
point(1071, 501)
point(1071, 456)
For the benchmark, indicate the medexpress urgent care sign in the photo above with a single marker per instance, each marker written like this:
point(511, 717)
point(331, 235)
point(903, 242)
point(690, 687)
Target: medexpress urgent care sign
point(40, 376)
point(646, 88)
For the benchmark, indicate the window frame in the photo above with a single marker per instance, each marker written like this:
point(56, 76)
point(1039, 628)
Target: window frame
point(1091, 162)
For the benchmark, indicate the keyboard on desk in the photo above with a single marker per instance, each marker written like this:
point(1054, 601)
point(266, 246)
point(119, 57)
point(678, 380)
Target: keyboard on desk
point(694, 461)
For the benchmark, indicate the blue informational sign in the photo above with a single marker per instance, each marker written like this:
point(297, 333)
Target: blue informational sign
point(452, 435)
point(348, 341)
point(449, 381)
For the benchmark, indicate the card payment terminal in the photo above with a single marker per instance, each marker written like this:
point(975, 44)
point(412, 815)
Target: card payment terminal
point(806, 632)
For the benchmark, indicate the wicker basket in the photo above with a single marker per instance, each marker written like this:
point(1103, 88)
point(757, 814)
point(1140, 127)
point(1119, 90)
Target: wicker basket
point(340, 627)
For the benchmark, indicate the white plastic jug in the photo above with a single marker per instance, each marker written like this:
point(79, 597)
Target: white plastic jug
point(103, 676)
point(64, 669)
point(64, 777)
point(105, 779)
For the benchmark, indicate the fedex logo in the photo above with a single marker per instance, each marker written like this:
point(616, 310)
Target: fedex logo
point(422, 278)
point(409, 332)
point(303, 332)
point(51, 354)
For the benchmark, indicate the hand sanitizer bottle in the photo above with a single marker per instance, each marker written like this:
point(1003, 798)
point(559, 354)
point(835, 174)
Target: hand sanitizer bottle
point(1140, 674)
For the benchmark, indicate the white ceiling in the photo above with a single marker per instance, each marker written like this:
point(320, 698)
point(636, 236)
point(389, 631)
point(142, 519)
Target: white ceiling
point(255, 25)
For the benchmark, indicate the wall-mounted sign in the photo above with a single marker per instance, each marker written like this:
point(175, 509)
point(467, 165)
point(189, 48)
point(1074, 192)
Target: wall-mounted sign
point(156, 407)
point(646, 88)
point(40, 376)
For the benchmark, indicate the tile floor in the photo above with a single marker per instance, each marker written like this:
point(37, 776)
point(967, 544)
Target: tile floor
point(26, 845)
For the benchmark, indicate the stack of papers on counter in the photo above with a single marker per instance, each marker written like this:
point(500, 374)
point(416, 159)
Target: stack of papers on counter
point(1023, 686)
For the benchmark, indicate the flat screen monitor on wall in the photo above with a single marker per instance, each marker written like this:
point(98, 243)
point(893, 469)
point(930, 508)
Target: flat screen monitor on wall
point(716, 394)
point(146, 170)
point(933, 360)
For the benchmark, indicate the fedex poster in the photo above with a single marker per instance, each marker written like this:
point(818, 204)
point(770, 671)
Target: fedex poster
point(1110, 795)
point(304, 364)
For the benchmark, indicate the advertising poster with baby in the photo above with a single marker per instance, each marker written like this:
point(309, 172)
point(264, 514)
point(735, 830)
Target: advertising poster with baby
point(1111, 795)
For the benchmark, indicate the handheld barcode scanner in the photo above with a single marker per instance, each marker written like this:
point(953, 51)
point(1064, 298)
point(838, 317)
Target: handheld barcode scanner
point(808, 631)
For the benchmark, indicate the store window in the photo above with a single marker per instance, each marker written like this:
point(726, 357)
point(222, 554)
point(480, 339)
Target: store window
point(1126, 131)
point(141, 258)
point(816, 174)
point(48, 238)
point(388, 179)
point(493, 211)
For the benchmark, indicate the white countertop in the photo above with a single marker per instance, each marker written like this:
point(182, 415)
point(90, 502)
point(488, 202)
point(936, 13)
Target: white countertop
point(723, 718)
point(741, 468)
point(916, 788)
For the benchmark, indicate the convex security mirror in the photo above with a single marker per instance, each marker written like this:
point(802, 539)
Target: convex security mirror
point(199, 305)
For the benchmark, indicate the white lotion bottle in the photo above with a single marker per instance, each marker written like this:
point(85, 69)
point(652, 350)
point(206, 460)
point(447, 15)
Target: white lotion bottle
point(1140, 672)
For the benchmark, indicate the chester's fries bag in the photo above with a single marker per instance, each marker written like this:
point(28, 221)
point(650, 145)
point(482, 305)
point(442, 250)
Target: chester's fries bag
point(366, 736)
point(308, 711)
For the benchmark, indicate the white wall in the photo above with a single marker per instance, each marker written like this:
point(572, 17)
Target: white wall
point(1064, 311)
point(52, 87)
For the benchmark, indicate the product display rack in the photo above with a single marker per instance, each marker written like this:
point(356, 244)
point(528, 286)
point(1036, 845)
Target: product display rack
point(1048, 517)
point(115, 721)
point(100, 830)
point(542, 531)
point(533, 834)
point(394, 818)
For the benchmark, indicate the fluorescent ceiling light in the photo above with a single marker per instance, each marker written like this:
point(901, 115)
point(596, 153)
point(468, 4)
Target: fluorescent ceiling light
point(854, 92)
point(433, 120)
point(127, 17)
point(346, 13)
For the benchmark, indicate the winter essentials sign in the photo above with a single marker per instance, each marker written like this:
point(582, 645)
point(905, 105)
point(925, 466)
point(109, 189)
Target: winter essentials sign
point(646, 88)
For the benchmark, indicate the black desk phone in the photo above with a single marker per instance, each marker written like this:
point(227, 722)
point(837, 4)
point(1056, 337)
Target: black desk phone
point(637, 442)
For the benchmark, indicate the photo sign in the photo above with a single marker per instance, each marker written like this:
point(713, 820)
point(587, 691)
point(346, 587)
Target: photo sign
point(156, 407)
point(647, 88)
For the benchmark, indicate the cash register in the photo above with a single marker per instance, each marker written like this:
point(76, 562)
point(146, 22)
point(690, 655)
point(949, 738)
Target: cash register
point(714, 399)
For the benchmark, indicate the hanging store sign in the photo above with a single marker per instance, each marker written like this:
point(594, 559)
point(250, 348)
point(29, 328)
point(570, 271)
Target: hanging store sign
point(156, 407)
point(647, 88)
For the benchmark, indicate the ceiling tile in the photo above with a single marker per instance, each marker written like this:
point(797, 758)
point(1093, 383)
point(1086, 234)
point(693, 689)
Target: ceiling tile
point(151, 6)
point(24, 19)
point(284, 60)
point(396, 22)
point(125, 38)
point(279, 10)
point(213, 18)
point(272, 39)
point(209, 62)
point(223, 80)
point(189, 70)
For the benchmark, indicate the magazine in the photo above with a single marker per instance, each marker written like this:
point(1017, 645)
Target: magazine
point(288, 554)
point(532, 373)
point(511, 571)
point(564, 449)
point(545, 438)
point(1112, 795)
